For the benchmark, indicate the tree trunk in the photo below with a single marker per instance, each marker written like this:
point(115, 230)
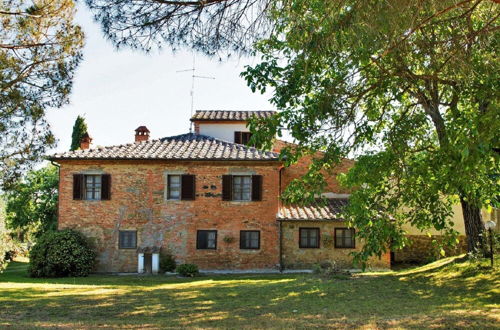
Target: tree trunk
point(473, 227)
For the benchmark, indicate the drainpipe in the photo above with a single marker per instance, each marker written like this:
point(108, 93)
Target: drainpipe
point(280, 223)
point(58, 189)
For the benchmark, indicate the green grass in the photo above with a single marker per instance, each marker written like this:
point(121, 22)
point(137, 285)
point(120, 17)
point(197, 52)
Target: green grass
point(446, 294)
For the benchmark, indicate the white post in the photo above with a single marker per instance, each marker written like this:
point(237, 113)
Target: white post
point(155, 267)
point(140, 263)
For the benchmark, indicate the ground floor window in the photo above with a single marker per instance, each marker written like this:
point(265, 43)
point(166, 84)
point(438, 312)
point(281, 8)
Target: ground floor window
point(344, 238)
point(250, 239)
point(206, 239)
point(127, 239)
point(309, 237)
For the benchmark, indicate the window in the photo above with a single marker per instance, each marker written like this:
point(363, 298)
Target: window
point(92, 186)
point(344, 238)
point(242, 187)
point(250, 239)
point(174, 187)
point(242, 137)
point(127, 239)
point(309, 237)
point(181, 187)
point(206, 240)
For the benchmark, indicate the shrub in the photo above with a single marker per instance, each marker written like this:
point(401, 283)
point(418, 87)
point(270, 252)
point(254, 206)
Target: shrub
point(167, 262)
point(188, 270)
point(61, 253)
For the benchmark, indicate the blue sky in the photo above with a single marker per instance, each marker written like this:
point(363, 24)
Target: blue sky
point(117, 91)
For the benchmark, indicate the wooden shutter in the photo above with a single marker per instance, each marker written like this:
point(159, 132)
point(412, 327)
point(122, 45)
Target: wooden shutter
point(188, 187)
point(227, 187)
point(106, 187)
point(237, 137)
point(256, 187)
point(78, 186)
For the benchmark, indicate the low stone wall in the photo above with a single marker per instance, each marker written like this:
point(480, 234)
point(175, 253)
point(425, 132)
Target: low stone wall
point(422, 250)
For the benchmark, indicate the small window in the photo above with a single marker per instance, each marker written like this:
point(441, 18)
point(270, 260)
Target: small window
point(250, 239)
point(127, 239)
point(242, 137)
point(242, 187)
point(344, 238)
point(93, 187)
point(174, 187)
point(206, 240)
point(309, 237)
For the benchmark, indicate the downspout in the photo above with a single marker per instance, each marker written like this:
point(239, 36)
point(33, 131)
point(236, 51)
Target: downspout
point(58, 189)
point(280, 224)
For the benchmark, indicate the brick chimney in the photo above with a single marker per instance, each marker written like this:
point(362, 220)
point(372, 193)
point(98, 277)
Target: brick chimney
point(141, 134)
point(85, 141)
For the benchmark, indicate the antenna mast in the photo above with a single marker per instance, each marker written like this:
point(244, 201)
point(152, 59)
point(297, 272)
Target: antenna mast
point(193, 77)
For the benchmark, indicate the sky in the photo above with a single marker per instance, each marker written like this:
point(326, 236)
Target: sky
point(117, 91)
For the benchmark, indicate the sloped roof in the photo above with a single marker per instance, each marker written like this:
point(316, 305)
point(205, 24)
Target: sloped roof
point(229, 115)
point(317, 211)
point(188, 146)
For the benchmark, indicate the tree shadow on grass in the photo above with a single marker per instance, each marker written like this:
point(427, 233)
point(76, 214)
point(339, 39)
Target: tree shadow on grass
point(393, 300)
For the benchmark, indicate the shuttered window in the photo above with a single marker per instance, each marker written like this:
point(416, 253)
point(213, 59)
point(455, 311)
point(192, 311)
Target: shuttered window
point(250, 239)
point(206, 239)
point(181, 187)
point(92, 186)
point(309, 237)
point(242, 187)
point(344, 238)
point(127, 239)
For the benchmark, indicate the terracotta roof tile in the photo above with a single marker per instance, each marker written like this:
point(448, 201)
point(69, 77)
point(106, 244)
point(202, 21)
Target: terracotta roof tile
point(317, 211)
point(188, 146)
point(229, 115)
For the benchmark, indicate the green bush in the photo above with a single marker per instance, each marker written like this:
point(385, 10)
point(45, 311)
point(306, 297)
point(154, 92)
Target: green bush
point(188, 270)
point(167, 262)
point(61, 253)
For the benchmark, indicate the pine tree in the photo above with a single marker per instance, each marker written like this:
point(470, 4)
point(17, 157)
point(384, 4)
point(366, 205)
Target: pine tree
point(79, 129)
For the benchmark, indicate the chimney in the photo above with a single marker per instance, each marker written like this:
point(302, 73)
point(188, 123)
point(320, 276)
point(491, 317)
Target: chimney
point(141, 134)
point(85, 141)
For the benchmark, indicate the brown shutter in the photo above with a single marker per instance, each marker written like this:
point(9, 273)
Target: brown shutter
point(227, 187)
point(78, 186)
point(256, 187)
point(106, 187)
point(188, 187)
point(237, 137)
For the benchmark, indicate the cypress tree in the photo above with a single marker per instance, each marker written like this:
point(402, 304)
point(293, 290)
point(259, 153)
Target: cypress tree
point(79, 129)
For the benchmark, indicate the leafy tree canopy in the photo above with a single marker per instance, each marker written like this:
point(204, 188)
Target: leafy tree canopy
point(410, 88)
point(40, 47)
point(79, 129)
point(31, 204)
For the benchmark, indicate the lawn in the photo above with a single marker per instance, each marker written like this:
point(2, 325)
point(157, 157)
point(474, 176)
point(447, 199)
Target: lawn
point(449, 293)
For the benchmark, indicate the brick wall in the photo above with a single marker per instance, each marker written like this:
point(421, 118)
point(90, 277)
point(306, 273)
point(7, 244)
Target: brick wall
point(137, 203)
point(295, 257)
point(301, 167)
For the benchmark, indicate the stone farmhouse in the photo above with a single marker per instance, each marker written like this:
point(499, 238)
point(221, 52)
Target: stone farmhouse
point(205, 197)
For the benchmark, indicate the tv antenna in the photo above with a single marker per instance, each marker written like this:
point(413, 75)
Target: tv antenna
point(193, 77)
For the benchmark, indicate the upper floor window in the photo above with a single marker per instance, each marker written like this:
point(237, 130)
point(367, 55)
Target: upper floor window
point(181, 187)
point(344, 238)
point(242, 137)
point(309, 237)
point(242, 187)
point(92, 186)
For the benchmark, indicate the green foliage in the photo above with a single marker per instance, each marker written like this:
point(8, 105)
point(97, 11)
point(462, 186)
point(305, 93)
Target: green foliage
point(40, 48)
point(31, 203)
point(410, 89)
point(167, 262)
point(60, 254)
point(187, 270)
point(79, 129)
